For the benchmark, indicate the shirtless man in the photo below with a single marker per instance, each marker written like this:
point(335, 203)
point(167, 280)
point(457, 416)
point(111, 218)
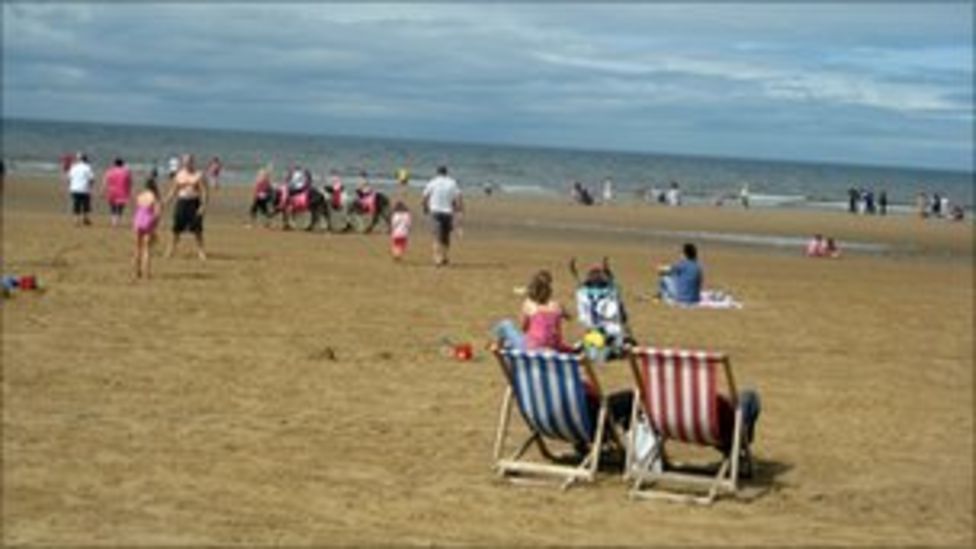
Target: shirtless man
point(189, 187)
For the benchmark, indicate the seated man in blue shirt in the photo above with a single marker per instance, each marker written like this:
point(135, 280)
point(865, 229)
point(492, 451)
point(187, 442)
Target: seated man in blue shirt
point(682, 282)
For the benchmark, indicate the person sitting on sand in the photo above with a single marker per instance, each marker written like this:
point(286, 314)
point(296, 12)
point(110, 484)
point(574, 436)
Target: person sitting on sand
point(817, 247)
point(831, 249)
point(144, 222)
point(682, 282)
point(957, 213)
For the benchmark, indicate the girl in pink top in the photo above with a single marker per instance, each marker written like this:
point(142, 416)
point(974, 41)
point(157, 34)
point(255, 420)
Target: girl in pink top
point(399, 229)
point(117, 186)
point(542, 316)
point(144, 221)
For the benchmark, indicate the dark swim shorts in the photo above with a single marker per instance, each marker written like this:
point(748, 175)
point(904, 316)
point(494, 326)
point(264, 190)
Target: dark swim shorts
point(443, 225)
point(185, 218)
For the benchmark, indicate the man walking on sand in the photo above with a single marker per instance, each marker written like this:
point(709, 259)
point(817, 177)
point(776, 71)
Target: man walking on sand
point(189, 188)
point(442, 201)
point(80, 178)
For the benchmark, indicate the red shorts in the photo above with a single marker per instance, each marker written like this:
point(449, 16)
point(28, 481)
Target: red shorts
point(399, 244)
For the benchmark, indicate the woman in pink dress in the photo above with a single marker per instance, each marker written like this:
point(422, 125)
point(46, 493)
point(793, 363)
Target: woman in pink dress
point(117, 186)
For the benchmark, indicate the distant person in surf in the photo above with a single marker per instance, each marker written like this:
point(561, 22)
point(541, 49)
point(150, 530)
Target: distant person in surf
point(674, 194)
point(403, 176)
point(213, 172)
point(173, 165)
point(581, 195)
point(607, 190)
point(744, 196)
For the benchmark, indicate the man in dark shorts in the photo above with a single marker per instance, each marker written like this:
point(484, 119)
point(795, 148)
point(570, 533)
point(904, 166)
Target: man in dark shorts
point(189, 187)
point(442, 200)
point(80, 178)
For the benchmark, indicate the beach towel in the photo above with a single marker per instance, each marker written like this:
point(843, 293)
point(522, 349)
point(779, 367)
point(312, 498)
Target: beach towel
point(710, 299)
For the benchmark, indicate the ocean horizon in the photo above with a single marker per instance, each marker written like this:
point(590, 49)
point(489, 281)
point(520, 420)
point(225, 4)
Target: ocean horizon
point(33, 146)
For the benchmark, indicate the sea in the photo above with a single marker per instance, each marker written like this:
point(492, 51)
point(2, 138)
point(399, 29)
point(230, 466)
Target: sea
point(34, 147)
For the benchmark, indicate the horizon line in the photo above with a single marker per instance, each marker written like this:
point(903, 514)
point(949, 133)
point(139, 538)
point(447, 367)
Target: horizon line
point(704, 156)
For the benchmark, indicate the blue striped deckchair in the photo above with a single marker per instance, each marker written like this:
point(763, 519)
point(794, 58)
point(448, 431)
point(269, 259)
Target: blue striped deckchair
point(549, 393)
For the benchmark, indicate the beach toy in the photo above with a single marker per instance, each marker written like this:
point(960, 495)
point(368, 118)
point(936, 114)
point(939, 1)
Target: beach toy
point(463, 351)
point(28, 282)
point(9, 282)
point(594, 339)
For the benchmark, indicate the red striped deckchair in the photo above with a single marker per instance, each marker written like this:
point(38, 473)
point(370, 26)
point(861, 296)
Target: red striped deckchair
point(678, 393)
point(548, 390)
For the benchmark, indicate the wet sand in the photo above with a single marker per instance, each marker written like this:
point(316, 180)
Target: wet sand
point(291, 389)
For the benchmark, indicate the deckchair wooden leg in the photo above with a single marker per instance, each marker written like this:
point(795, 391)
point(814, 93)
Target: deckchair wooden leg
point(736, 446)
point(504, 417)
point(630, 455)
point(595, 446)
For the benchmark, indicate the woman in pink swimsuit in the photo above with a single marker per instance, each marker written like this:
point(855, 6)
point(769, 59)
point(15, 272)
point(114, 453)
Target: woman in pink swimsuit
point(144, 221)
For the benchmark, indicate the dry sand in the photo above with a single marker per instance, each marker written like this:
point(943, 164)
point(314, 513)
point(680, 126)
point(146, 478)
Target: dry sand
point(202, 407)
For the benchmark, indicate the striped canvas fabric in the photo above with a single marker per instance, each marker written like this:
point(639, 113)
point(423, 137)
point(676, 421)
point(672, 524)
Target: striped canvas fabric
point(549, 390)
point(681, 393)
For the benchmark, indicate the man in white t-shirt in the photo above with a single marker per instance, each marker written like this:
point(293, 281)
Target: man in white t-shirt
point(81, 177)
point(442, 201)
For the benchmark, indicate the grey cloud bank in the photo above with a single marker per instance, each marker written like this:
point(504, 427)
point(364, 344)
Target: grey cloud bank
point(869, 83)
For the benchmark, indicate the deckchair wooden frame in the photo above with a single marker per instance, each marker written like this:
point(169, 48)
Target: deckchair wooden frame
point(514, 464)
point(724, 482)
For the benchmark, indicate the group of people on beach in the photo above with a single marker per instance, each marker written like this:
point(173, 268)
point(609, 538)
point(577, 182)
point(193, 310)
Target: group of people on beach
point(671, 196)
point(867, 201)
point(938, 206)
point(820, 246)
point(542, 318)
point(189, 193)
point(188, 187)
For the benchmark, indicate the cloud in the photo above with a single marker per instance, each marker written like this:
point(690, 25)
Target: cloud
point(585, 75)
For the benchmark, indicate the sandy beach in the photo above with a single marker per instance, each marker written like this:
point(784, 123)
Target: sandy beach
point(291, 390)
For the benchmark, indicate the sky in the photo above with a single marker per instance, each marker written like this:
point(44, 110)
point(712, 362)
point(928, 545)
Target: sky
point(863, 83)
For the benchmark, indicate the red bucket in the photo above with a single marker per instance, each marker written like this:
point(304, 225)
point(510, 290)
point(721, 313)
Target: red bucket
point(28, 282)
point(463, 351)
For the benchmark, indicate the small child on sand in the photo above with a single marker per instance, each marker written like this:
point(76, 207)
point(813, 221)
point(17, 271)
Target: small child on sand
point(399, 229)
point(144, 221)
